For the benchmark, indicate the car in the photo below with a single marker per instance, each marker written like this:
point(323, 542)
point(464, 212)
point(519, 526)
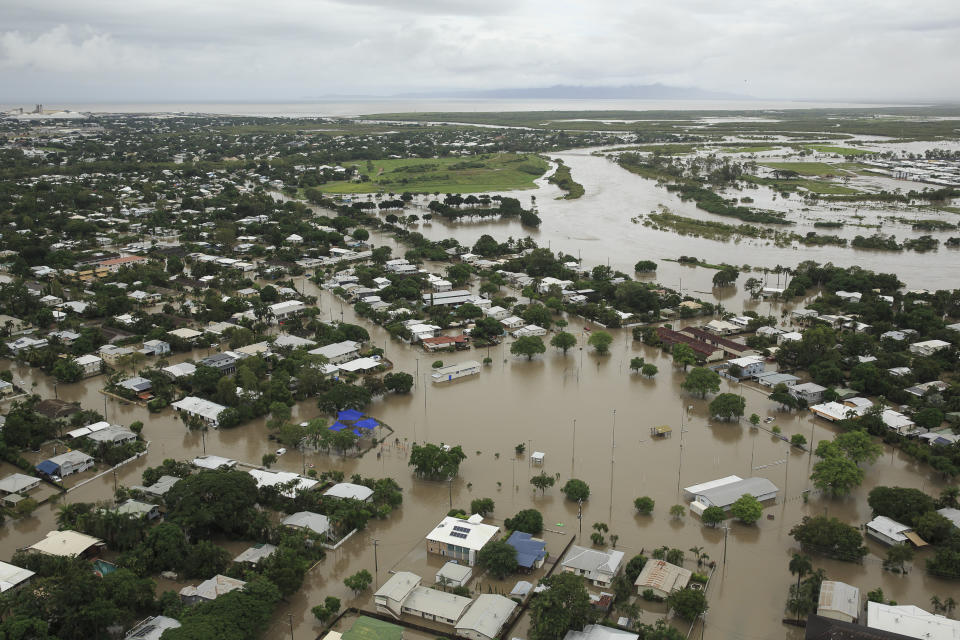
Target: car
point(281, 451)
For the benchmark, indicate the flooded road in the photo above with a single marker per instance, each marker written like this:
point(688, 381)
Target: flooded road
point(591, 417)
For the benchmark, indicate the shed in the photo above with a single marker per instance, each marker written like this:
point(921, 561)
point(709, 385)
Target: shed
point(839, 600)
point(454, 574)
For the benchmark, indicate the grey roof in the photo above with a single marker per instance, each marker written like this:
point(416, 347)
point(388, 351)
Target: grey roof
point(161, 486)
point(398, 586)
point(600, 632)
point(151, 628)
point(308, 520)
point(256, 553)
point(725, 495)
point(135, 508)
point(16, 482)
point(437, 603)
point(593, 561)
point(487, 615)
point(349, 490)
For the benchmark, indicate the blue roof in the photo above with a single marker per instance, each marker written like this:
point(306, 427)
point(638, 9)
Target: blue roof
point(368, 423)
point(337, 426)
point(529, 551)
point(349, 415)
point(49, 468)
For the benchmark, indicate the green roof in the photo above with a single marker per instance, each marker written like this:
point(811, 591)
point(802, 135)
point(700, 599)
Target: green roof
point(371, 629)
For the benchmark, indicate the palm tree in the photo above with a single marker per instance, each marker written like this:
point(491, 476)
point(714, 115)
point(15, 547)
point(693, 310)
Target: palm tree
point(936, 604)
point(800, 565)
point(949, 605)
point(697, 552)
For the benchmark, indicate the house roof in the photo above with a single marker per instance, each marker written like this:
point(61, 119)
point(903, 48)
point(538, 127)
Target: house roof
point(11, 575)
point(725, 495)
point(487, 615)
point(889, 528)
point(349, 490)
point(213, 462)
point(213, 588)
point(663, 576)
point(399, 586)
point(16, 482)
point(277, 478)
point(594, 563)
point(256, 553)
point(454, 571)
point(200, 407)
point(840, 597)
point(600, 632)
point(308, 520)
point(529, 549)
point(336, 350)
point(911, 621)
point(151, 628)
point(462, 533)
point(68, 544)
point(437, 603)
point(135, 508)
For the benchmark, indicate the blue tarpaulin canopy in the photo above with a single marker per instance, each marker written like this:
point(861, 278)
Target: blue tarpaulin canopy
point(368, 423)
point(349, 415)
point(357, 433)
point(337, 426)
point(49, 468)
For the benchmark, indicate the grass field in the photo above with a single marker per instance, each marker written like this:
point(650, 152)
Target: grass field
point(748, 149)
point(372, 629)
point(473, 174)
point(809, 168)
point(843, 151)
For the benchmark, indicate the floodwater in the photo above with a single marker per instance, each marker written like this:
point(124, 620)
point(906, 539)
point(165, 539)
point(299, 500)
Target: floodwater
point(591, 417)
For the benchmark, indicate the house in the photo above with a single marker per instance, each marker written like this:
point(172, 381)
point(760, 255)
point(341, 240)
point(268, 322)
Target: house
point(896, 421)
point(531, 552)
point(12, 576)
point(291, 483)
point(155, 348)
point(111, 353)
point(703, 350)
point(159, 488)
point(722, 327)
point(839, 600)
point(420, 330)
point(188, 335)
point(457, 370)
point(112, 435)
point(144, 297)
point(600, 632)
point(809, 392)
point(599, 567)
point(362, 365)
point(951, 514)
point(214, 462)
point(338, 352)
point(287, 309)
point(750, 366)
point(928, 347)
point(65, 464)
point(486, 617)
point(287, 341)
point(921, 390)
point(294, 238)
point(911, 621)
point(136, 384)
point(210, 590)
point(436, 605)
point(349, 491)
point(891, 532)
point(68, 544)
point(529, 330)
point(225, 364)
point(180, 370)
point(512, 323)
point(309, 521)
point(90, 364)
point(207, 411)
point(390, 597)
point(151, 628)
point(454, 574)
point(445, 342)
point(835, 411)
point(662, 578)
point(461, 539)
point(725, 491)
point(789, 336)
point(255, 554)
point(773, 378)
point(138, 509)
point(26, 343)
point(18, 483)
point(497, 313)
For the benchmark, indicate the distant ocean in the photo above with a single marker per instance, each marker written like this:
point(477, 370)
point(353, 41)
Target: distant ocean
point(346, 108)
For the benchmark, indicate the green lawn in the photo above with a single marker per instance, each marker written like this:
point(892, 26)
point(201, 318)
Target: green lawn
point(748, 149)
point(814, 186)
point(843, 151)
point(372, 629)
point(472, 174)
point(809, 168)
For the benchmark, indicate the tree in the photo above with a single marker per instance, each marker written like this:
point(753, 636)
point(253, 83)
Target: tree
point(563, 341)
point(435, 462)
point(459, 274)
point(648, 370)
point(563, 606)
point(858, 446)
point(746, 509)
point(701, 381)
point(216, 502)
point(576, 490)
point(634, 567)
point(360, 581)
point(645, 266)
point(636, 364)
point(688, 603)
point(644, 505)
point(900, 504)
point(529, 521)
point(600, 341)
point(712, 516)
point(498, 558)
point(800, 565)
point(934, 527)
point(897, 556)
point(677, 511)
point(727, 406)
point(268, 459)
point(836, 476)
point(398, 382)
point(483, 506)
point(683, 355)
point(527, 346)
point(830, 537)
point(781, 395)
point(542, 482)
point(928, 418)
point(798, 440)
point(725, 277)
point(66, 370)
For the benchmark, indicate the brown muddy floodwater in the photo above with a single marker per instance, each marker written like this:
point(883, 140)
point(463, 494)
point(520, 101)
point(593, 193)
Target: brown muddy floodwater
point(591, 417)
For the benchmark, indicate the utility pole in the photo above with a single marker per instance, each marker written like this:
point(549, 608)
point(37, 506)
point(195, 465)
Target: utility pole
point(613, 446)
point(450, 486)
point(376, 565)
point(290, 620)
point(726, 530)
point(580, 515)
point(573, 455)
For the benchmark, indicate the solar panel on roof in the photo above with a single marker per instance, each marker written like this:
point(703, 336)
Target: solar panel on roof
point(461, 529)
point(457, 534)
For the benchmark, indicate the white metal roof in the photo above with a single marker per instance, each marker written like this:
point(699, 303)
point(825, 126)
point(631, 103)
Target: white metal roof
point(703, 486)
point(840, 597)
point(308, 520)
point(11, 575)
point(349, 490)
point(16, 482)
point(462, 533)
point(399, 586)
point(437, 603)
point(911, 621)
point(200, 407)
point(889, 528)
point(68, 544)
point(213, 462)
point(487, 615)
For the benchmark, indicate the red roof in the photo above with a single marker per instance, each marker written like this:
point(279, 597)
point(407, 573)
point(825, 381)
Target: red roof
point(445, 340)
point(671, 337)
point(727, 345)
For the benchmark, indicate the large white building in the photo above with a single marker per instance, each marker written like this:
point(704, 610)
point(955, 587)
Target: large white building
point(839, 600)
point(911, 621)
point(599, 567)
point(461, 540)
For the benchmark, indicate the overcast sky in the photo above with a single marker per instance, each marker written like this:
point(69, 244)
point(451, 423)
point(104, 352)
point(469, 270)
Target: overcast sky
point(193, 50)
